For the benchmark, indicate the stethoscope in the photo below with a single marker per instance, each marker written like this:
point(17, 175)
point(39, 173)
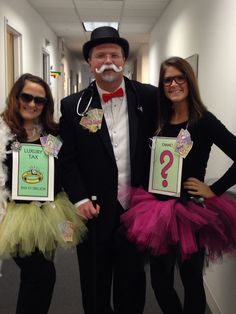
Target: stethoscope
point(90, 89)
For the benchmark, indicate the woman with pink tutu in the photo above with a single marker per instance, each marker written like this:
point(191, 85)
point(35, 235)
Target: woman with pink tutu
point(198, 222)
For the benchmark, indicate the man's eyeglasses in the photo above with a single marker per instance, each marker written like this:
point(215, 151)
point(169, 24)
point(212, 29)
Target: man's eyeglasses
point(179, 79)
point(39, 101)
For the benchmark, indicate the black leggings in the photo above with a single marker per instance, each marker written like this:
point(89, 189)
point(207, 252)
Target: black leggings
point(37, 279)
point(191, 273)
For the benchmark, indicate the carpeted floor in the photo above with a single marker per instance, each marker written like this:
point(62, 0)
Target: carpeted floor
point(67, 297)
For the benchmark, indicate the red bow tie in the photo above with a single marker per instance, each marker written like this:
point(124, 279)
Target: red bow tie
point(118, 93)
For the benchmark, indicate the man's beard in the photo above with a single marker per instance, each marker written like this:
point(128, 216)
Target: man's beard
point(111, 77)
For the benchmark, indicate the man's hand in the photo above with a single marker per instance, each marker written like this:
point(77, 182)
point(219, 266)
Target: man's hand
point(87, 211)
point(199, 188)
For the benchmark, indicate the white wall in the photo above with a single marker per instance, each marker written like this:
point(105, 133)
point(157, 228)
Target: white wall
point(26, 21)
point(142, 64)
point(205, 27)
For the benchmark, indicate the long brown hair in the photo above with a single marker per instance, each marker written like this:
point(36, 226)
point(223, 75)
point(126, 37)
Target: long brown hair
point(11, 114)
point(196, 107)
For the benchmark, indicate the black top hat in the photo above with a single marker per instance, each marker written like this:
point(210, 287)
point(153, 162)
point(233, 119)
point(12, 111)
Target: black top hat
point(102, 35)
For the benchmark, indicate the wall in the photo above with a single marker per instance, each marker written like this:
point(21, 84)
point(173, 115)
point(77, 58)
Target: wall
point(205, 27)
point(26, 21)
point(142, 64)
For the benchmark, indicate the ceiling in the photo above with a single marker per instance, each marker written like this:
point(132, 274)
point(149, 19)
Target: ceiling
point(136, 18)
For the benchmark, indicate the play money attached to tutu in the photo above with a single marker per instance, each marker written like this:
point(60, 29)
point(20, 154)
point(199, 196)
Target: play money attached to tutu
point(42, 225)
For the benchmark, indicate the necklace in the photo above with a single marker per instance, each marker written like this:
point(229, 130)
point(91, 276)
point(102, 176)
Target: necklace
point(33, 133)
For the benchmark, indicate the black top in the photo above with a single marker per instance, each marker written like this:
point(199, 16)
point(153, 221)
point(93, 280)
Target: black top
point(207, 131)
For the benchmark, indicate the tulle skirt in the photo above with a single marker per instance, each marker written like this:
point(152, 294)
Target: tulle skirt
point(157, 226)
point(45, 226)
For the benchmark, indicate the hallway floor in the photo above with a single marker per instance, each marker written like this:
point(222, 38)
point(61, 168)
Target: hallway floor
point(67, 297)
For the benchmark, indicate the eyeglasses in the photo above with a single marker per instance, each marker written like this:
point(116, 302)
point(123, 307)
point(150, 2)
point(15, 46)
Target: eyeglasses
point(39, 101)
point(179, 79)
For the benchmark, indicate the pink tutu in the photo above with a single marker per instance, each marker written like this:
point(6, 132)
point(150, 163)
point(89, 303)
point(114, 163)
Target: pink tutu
point(157, 226)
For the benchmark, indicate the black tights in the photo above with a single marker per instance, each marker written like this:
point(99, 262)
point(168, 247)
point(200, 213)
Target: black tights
point(37, 279)
point(191, 273)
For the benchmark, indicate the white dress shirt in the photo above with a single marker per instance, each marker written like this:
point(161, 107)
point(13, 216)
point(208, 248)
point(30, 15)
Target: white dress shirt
point(117, 120)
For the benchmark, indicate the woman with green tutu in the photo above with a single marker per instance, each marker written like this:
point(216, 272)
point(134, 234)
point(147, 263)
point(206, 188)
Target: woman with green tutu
point(35, 214)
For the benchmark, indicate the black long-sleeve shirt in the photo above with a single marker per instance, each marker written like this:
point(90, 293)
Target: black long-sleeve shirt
point(206, 132)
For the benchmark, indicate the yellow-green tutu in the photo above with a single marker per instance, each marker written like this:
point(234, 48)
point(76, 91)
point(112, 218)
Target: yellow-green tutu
point(27, 226)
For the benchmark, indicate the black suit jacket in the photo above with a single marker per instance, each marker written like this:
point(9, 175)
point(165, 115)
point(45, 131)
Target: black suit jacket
point(87, 161)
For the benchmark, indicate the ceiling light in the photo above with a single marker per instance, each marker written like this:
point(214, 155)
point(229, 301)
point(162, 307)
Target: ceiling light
point(90, 26)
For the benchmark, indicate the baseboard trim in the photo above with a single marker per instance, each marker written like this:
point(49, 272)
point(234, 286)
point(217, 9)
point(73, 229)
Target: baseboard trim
point(211, 300)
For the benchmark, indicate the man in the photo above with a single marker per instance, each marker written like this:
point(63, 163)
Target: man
point(105, 150)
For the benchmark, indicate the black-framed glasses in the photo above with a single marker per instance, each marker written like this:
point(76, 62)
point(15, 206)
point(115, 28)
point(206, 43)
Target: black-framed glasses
point(179, 79)
point(38, 100)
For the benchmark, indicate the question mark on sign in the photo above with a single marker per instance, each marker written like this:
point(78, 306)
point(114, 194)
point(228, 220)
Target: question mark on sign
point(167, 166)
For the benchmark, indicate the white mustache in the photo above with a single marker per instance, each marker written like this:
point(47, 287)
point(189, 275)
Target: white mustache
point(109, 67)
